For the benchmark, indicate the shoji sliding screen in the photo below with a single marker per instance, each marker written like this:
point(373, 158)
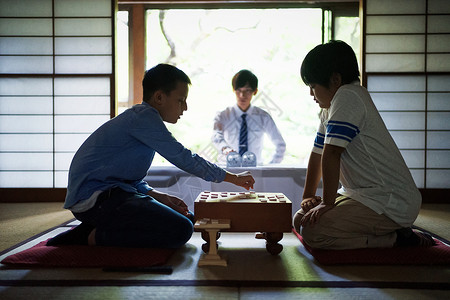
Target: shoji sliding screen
point(56, 85)
point(407, 67)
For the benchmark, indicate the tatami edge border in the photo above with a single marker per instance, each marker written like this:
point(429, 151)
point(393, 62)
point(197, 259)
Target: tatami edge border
point(229, 283)
point(445, 241)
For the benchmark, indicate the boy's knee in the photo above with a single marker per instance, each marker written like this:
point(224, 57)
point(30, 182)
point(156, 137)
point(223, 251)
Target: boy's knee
point(316, 238)
point(183, 234)
point(297, 219)
point(310, 234)
point(307, 234)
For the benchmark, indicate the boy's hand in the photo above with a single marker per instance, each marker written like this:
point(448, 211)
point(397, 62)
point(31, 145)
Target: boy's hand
point(177, 204)
point(173, 202)
point(226, 150)
point(313, 215)
point(244, 179)
point(310, 202)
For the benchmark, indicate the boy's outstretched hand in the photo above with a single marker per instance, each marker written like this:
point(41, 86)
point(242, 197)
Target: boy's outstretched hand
point(244, 179)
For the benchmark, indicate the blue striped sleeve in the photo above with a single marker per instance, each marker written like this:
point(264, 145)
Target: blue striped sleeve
point(319, 141)
point(342, 130)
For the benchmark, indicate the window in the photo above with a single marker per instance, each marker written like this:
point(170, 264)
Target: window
point(211, 45)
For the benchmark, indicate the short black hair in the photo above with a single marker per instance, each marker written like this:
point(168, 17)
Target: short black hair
point(244, 77)
point(325, 59)
point(162, 77)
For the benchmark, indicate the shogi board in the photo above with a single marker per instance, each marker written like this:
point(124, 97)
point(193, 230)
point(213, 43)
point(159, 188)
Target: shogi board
point(247, 211)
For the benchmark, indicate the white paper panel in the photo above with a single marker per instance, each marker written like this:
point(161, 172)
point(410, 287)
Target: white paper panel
point(35, 110)
point(399, 101)
point(396, 83)
point(438, 179)
point(26, 45)
point(404, 120)
point(83, 45)
point(84, 86)
point(26, 124)
point(82, 124)
point(438, 6)
point(438, 159)
point(438, 120)
point(26, 179)
point(122, 50)
point(69, 142)
point(406, 24)
point(395, 62)
point(63, 160)
point(26, 8)
point(439, 83)
point(82, 105)
point(439, 24)
point(26, 142)
point(409, 139)
point(26, 64)
point(438, 62)
point(395, 43)
point(414, 158)
point(85, 8)
point(28, 27)
point(83, 64)
point(397, 24)
point(26, 86)
point(26, 161)
point(26, 105)
point(419, 177)
point(83, 27)
point(396, 7)
point(438, 42)
point(61, 179)
point(438, 140)
point(439, 101)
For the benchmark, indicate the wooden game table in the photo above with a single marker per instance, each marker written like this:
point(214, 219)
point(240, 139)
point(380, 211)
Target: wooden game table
point(268, 213)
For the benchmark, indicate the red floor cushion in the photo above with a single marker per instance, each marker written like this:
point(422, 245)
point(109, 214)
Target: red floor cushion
point(435, 255)
point(76, 256)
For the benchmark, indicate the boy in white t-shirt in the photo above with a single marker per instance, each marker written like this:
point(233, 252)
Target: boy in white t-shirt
point(378, 200)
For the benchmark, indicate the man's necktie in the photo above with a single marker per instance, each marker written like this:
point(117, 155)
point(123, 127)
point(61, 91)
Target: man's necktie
point(243, 145)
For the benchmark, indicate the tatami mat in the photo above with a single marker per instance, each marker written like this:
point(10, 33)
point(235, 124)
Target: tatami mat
point(252, 273)
point(216, 293)
point(248, 263)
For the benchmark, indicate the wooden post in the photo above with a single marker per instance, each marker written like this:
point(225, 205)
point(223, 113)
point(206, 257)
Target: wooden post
point(137, 52)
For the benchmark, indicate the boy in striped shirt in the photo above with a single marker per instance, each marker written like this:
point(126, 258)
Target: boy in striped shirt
point(369, 199)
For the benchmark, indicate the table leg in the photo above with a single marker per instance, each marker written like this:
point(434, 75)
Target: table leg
point(272, 245)
point(212, 258)
point(210, 233)
point(205, 237)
